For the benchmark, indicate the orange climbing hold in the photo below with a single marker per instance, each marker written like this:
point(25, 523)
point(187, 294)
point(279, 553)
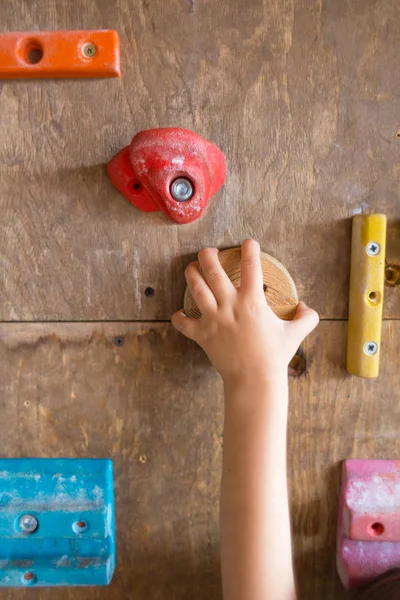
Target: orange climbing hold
point(59, 54)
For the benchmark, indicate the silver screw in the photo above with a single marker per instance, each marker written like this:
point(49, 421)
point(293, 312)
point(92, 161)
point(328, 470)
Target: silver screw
point(373, 249)
point(370, 348)
point(89, 50)
point(28, 523)
point(182, 189)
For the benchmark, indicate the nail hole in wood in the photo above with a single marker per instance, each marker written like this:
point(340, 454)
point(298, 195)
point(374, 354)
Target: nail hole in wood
point(119, 341)
point(149, 292)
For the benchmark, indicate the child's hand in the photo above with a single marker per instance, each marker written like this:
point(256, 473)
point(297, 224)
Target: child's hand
point(239, 332)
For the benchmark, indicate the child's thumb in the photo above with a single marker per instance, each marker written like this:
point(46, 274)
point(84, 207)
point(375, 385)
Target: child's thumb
point(305, 320)
point(185, 325)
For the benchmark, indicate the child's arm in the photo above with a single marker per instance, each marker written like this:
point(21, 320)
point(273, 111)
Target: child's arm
point(251, 349)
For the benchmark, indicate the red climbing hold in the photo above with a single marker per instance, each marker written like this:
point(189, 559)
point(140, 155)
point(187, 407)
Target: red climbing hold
point(169, 169)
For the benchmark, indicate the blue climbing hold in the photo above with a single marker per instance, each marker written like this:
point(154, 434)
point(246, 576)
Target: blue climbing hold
point(57, 523)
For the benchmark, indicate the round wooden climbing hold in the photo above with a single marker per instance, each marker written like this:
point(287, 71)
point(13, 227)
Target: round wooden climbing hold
point(279, 287)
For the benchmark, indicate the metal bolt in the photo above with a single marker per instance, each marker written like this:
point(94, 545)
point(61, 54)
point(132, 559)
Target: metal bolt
point(370, 348)
point(89, 50)
point(182, 189)
point(28, 523)
point(373, 249)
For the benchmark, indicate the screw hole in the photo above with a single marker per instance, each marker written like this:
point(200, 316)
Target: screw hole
point(27, 403)
point(398, 134)
point(135, 187)
point(376, 529)
point(373, 297)
point(34, 53)
point(143, 459)
point(149, 292)
point(265, 287)
point(80, 527)
point(119, 341)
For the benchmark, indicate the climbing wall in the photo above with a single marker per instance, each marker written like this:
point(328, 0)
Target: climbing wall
point(303, 99)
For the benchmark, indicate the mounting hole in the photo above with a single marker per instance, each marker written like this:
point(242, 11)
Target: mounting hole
point(135, 187)
point(35, 55)
point(29, 578)
point(149, 292)
point(80, 526)
point(376, 529)
point(143, 459)
point(373, 297)
point(32, 52)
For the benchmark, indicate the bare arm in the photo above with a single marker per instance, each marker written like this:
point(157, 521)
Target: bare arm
point(251, 349)
point(255, 526)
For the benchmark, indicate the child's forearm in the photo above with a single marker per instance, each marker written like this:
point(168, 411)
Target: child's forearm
point(255, 527)
point(241, 335)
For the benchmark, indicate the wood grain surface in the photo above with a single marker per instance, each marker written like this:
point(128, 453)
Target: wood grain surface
point(154, 405)
point(303, 99)
point(279, 288)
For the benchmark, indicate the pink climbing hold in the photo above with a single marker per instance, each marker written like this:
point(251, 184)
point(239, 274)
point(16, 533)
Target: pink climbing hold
point(368, 540)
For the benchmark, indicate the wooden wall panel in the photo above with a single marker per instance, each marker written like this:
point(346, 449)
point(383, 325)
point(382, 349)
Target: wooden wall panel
point(154, 405)
point(301, 96)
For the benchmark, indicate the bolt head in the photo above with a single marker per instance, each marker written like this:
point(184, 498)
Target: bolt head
point(182, 189)
point(89, 50)
point(28, 523)
point(373, 249)
point(370, 348)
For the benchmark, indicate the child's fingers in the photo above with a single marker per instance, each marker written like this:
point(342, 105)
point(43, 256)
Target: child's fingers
point(199, 289)
point(250, 265)
point(183, 324)
point(215, 275)
point(305, 320)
